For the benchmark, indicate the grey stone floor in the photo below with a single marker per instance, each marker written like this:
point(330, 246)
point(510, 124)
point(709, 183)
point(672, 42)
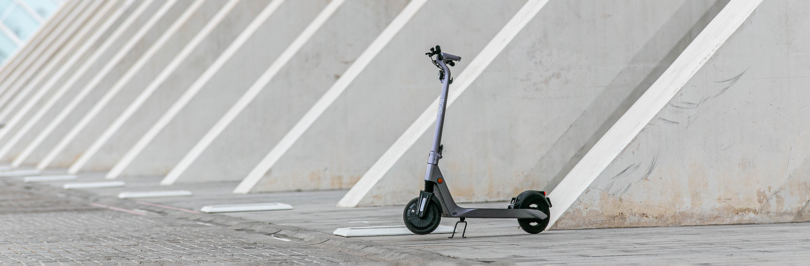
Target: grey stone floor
point(491, 240)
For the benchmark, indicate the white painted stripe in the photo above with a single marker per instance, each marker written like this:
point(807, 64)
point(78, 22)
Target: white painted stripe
point(146, 93)
point(49, 178)
point(28, 10)
point(329, 97)
point(69, 65)
point(107, 184)
point(27, 69)
point(19, 173)
point(154, 194)
point(397, 230)
point(428, 117)
point(194, 89)
point(97, 78)
point(251, 93)
point(119, 85)
point(254, 207)
point(648, 105)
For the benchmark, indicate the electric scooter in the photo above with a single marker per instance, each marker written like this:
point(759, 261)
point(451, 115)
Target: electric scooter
point(423, 214)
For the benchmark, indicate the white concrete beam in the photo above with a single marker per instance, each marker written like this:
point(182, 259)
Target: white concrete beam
point(428, 117)
point(251, 93)
point(124, 79)
point(330, 96)
point(192, 91)
point(656, 97)
point(154, 85)
point(90, 86)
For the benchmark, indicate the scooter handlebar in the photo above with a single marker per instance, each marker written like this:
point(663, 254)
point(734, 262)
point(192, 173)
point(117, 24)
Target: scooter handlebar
point(447, 56)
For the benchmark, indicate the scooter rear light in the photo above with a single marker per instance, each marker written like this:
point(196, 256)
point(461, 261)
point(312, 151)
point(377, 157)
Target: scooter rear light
point(441, 180)
point(544, 193)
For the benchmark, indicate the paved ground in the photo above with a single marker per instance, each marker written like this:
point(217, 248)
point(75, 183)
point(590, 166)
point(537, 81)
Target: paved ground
point(254, 237)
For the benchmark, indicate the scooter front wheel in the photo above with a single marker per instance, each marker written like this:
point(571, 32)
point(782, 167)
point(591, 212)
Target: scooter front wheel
point(426, 224)
point(534, 201)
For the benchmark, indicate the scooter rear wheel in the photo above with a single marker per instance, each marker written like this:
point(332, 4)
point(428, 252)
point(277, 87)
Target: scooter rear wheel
point(426, 224)
point(534, 226)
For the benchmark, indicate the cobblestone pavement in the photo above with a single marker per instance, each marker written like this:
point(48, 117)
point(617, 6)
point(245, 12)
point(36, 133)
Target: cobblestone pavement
point(53, 228)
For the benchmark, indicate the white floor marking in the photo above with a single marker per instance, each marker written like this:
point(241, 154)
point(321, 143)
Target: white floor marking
point(64, 87)
point(34, 64)
point(90, 86)
point(649, 104)
point(49, 178)
point(428, 117)
point(154, 194)
point(252, 92)
point(19, 173)
point(107, 184)
point(119, 85)
point(29, 54)
point(246, 207)
point(195, 87)
point(147, 92)
point(329, 97)
point(396, 230)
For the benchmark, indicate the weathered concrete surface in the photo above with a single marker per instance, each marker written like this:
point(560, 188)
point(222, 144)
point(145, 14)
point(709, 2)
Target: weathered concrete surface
point(96, 92)
point(548, 97)
point(385, 98)
point(44, 89)
point(224, 88)
point(170, 90)
point(293, 91)
point(729, 147)
point(143, 77)
point(39, 124)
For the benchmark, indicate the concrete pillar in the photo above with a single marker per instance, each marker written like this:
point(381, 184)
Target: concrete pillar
point(211, 95)
point(170, 85)
point(83, 73)
point(723, 142)
point(237, 143)
point(550, 94)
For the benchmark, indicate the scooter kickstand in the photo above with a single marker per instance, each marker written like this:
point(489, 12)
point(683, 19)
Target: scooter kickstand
point(456, 226)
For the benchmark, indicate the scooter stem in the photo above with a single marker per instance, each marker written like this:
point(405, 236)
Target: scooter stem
point(434, 157)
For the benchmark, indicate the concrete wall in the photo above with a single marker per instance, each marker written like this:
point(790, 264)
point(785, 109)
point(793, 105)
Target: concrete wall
point(385, 98)
point(293, 91)
point(553, 91)
point(138, 78)
point(70, 83)
point(174, 85)
point(71, 144)
point(224, 88)
point(22, 118)
point(728, 148)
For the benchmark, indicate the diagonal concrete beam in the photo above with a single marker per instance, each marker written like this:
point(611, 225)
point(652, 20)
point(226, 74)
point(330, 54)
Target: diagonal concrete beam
point(194, 89)
point(656, 97)
point(329, 97)
point(154, 85)
point(251, 93)
point(108, 96)
point(428, 117)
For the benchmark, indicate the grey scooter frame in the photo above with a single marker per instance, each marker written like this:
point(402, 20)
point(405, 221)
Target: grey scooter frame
point(435, 183)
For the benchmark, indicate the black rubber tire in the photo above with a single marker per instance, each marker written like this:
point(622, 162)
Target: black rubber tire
point(426, 224)
point(534, 226)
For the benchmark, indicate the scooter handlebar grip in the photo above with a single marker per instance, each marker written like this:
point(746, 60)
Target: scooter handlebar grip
point(451, 57)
